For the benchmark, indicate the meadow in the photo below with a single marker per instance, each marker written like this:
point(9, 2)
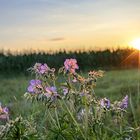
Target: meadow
point(121, 78)
point(114, 85)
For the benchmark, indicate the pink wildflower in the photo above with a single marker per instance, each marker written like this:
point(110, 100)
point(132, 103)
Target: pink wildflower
point(71, 65)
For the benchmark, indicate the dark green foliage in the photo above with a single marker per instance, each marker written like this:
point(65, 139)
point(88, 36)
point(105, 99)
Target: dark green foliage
point(106, 59)
point(18, 129)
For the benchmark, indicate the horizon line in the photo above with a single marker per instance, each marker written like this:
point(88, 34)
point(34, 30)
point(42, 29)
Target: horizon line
point(63, 50)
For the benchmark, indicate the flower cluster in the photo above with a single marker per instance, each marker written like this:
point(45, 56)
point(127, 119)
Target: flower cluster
point(35, 86)
point(71, 65)
point(51, 92)
point(96, 74)
point(86, 85)
point(72, 96)
point(42, 68)
point(124, 103)
point(105, 103)
point(4, 113)
point(65, 90)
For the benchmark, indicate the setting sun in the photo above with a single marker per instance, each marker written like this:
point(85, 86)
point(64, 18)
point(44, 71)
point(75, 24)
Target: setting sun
point(136, 43)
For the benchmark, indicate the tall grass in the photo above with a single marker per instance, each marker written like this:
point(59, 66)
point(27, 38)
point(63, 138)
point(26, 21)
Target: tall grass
point(114, 85)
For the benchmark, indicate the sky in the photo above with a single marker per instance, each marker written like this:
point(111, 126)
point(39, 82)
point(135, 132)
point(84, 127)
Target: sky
point(69, 24)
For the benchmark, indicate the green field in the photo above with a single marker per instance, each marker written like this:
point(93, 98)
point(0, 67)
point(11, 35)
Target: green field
point(114, 85)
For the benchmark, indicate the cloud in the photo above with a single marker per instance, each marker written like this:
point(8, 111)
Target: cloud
point(57, 39)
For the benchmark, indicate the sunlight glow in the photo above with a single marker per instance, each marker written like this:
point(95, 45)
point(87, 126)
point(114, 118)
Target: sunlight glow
point(136, 43)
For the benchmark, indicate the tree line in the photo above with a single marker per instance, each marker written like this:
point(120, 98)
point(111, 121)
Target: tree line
point(106, 59)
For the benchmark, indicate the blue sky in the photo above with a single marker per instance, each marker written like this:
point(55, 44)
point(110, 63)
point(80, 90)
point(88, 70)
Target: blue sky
point(54, 24)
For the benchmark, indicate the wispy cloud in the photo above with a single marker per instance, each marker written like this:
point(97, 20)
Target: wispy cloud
point(57, 39)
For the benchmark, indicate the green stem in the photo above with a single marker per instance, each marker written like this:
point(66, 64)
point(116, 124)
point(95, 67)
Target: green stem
point(56, 114)
point(52, 119)
point(86, 117)
point(121, 122)
point(74, 120)
point(133, 111)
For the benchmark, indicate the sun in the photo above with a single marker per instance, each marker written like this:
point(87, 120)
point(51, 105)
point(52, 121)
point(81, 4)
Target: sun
point(135, 43)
